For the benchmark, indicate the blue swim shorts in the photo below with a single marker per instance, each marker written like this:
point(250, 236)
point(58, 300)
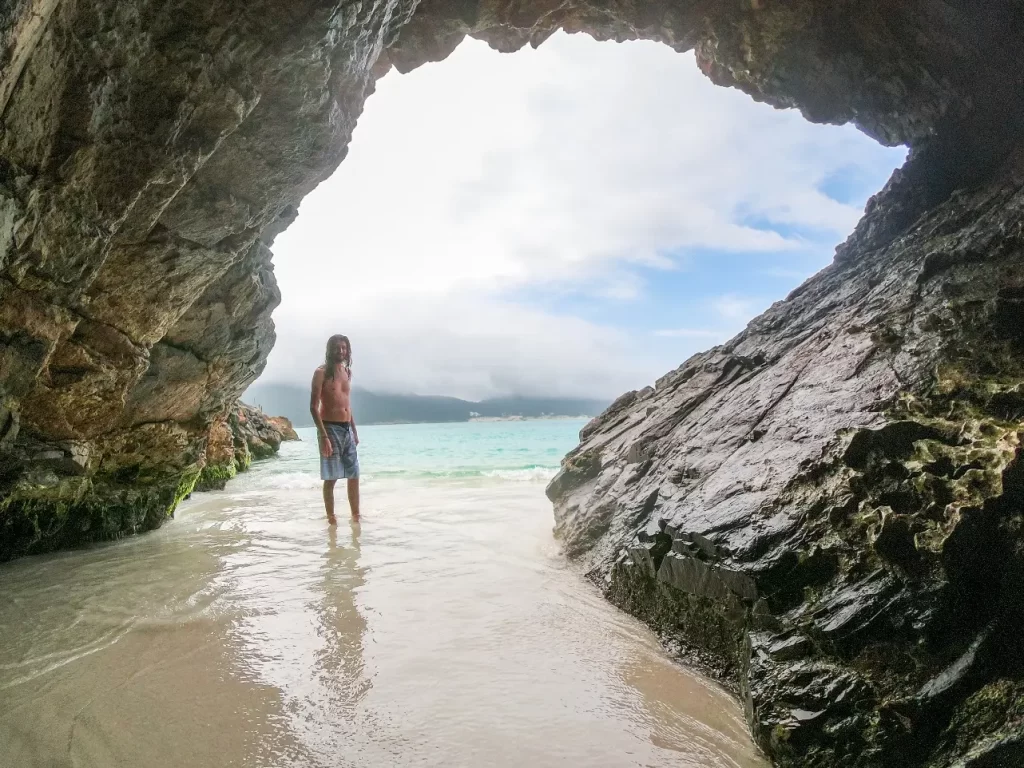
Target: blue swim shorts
point(343, 462)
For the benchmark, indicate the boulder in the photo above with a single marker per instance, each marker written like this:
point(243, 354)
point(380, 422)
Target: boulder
point(234, 442)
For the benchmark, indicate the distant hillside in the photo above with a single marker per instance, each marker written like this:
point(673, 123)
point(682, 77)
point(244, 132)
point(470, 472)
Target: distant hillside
point(373, 408)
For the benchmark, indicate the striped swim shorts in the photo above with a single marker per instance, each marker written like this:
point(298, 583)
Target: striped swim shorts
point(343, 461)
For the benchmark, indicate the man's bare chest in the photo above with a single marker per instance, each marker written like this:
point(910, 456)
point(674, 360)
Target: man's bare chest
point(335, 388)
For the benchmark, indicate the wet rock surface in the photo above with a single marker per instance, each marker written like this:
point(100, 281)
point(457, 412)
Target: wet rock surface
point(828, 509)
point(838, 484)
point(246, 435)
point(61, 500)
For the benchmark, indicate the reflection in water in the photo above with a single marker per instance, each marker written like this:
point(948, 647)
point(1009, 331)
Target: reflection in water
point(445, 631)
point(302, 632)
point(339, 663)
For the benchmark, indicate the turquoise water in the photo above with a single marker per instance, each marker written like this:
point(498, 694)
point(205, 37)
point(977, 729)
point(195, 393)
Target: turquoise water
point(488, 450)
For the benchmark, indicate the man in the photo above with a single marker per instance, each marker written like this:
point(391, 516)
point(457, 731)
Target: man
point(330, 402)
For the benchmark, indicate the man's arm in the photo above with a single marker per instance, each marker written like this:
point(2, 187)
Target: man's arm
point(314, 408)
point(351, 413)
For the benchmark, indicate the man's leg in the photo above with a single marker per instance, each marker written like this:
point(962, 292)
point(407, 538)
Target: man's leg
point(353, 496)
point(329, 500)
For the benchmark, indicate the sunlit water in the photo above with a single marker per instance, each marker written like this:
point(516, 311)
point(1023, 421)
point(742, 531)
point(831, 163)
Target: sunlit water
point(446, 630)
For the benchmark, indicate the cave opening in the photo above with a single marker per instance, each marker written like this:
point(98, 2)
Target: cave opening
point(570, 221)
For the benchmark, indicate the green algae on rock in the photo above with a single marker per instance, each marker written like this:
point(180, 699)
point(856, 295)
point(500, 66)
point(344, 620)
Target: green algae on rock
point(215, 476)
point(57, 504)
point(246, 435)
point(64, 512)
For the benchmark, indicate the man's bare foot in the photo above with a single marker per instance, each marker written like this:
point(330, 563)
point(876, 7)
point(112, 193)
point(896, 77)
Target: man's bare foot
point(332, 520)
point(355, 518)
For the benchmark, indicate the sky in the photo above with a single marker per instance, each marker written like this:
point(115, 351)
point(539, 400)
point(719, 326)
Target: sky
point(575, 220)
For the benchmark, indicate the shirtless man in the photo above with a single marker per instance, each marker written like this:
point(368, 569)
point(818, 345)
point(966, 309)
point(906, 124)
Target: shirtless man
point(331, 405)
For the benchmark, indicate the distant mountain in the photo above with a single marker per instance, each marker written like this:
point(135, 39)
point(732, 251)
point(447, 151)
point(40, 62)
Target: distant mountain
point(374, 408)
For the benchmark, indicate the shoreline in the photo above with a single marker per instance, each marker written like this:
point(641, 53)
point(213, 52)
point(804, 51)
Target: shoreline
point(527, 418)
point(471, 420)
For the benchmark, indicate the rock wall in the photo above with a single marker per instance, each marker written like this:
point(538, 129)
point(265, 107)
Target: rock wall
point(245, 435)
point(838, 484)
point(149, 153)
point(827, 510)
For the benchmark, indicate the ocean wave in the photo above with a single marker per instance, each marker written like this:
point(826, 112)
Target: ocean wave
point(523, 473)
point(526, 474)
point(295, 481)
point(289, 481)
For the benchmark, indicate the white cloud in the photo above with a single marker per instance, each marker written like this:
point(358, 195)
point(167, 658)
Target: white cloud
point(689, 333)
point(728, 313)
point(470, 347)
point(565, 168)
point(733, 307)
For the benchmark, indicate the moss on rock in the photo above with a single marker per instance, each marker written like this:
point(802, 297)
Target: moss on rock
point(68, 512)
point(996, 709)
point(215, 476)
point(234, 442)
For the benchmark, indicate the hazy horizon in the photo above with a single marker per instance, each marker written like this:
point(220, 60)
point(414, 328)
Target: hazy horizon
point(261, 383)
point(371, 407)
point(571, 221)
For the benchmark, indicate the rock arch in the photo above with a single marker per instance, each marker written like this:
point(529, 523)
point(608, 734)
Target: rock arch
point(856, 447)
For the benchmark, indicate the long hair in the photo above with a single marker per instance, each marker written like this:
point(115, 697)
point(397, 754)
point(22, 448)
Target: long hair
point(346, 359)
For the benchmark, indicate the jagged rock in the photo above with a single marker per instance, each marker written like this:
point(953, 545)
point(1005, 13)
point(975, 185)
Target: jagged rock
point(284, 426)
point(261, 435)
point(245, 435)
point(853, 454)
point(219, 464)
point(879, 514)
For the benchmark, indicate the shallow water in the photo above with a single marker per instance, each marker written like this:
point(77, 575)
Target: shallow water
point(446, 630)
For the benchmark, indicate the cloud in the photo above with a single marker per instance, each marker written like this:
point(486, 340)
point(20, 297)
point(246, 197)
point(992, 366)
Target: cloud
point(580, 169)
point(471, 347)
point(729, 313)
point(732, 307)
point(689, 333)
